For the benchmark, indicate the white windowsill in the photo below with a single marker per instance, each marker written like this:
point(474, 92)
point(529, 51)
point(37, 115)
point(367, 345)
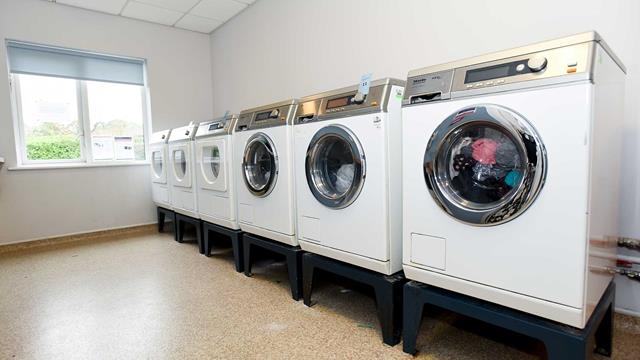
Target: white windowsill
point(74, 165)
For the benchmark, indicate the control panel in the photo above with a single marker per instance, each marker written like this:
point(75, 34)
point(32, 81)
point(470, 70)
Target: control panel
point(220, 126)
point(184, 133)
point(268, 116)
point(160, 137)
point(559, 63)
point(346, 102)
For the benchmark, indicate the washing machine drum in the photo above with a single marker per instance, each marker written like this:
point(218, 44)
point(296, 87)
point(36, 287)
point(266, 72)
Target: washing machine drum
point(260, 165)
point(335, 167)
point(485, 165)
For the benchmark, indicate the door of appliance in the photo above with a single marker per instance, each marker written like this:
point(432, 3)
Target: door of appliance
point(211, 160)
point(335, 166)
point(485, 164)
point(260, 165)
point(180, 155)
point(159, 164)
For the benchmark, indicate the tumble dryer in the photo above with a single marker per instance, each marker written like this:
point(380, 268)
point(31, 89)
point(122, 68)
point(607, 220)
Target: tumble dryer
point(262, 153)
point(347, 161)
point(159, 183)
point(216, 188)
point(182, 178)
point(511, 166)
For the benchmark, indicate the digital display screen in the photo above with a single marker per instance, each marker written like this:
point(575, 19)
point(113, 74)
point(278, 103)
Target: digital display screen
point(487, 73)
point(215, 126)
point(263, 116)
point(339, 102)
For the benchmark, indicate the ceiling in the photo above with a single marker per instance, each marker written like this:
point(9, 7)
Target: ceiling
point(202, 16)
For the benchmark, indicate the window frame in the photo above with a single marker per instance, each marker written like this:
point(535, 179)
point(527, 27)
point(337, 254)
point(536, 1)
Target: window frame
point(84, 126)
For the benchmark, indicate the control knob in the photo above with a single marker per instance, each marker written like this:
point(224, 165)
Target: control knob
point(358, 98)
point(274, 113)
point(537, 63)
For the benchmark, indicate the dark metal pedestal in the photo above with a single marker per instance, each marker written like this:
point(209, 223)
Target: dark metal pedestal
point(163, 214)
point(561, 341)
point(181, 220)
point(236, 241)
point(292, 254)
point(388, 290)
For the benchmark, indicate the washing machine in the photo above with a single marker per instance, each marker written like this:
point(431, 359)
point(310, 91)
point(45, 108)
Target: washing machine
point(159, 183)
point(262, 144)
point(182, 177)
point(215, 185)
point(511, 172)
point(347, 162)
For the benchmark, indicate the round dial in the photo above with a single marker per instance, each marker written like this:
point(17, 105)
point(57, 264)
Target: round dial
point(537, 63)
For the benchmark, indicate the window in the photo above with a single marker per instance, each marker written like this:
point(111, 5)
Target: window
point(75, 107)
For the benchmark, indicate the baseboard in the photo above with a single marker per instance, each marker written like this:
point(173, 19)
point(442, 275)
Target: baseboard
point(77, 237)
point(627, 312)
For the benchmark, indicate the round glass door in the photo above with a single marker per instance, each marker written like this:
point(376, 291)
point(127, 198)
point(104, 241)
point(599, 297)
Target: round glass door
point(335, 167)
point(211, 163)
point(179, 164)
point(260, 165)
point(485, 165)
point(157, 163)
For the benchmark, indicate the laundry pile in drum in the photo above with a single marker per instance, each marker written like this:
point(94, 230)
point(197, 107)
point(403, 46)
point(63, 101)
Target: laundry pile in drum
point(485, 164)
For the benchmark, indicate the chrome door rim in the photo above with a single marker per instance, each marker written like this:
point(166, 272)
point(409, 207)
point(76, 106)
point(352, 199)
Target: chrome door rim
point(264, 190)
point(158, 175)
point(533, 159)
point(203, 165)
point(317, 181)
point(186, 165)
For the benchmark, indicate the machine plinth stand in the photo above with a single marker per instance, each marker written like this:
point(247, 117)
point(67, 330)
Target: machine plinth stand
point(561, 341)
point(388, 290)
point(181, 221)
point(293, 255)
point(210, 229)
point(162, 215)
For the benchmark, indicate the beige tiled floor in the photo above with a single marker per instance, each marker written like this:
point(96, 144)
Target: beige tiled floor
point(149, 297)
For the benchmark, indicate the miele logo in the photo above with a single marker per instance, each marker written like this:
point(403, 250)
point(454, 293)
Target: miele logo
point(418, 81)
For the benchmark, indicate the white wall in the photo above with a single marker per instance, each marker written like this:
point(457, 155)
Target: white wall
point(43, 203)
point(279, 49)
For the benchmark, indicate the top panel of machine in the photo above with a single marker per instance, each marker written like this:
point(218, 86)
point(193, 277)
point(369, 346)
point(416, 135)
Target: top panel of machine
point(184, 133)
point(221, 126)
point(347, 101)
point(556, 61)
point(277, 114)
point(160, 137)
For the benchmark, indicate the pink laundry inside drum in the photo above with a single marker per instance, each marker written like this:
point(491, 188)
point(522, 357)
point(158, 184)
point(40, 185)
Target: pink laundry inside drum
point(484, 151)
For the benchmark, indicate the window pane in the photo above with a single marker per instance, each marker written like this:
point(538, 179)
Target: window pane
point(115, 113)
point(50, 117)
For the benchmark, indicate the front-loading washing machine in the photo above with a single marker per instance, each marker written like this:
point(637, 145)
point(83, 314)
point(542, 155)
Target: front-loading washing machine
point(215, 176)
point(262, 153)
point(159, 184)
point(511, 172)
point(347, 161)
point(182, 178)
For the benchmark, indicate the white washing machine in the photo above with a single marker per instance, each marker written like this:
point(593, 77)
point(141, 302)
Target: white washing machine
point(262, 145)
point(182, 178)
point(511, 172)
point(159, 183)
point(347, 161)
point(216, 188)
